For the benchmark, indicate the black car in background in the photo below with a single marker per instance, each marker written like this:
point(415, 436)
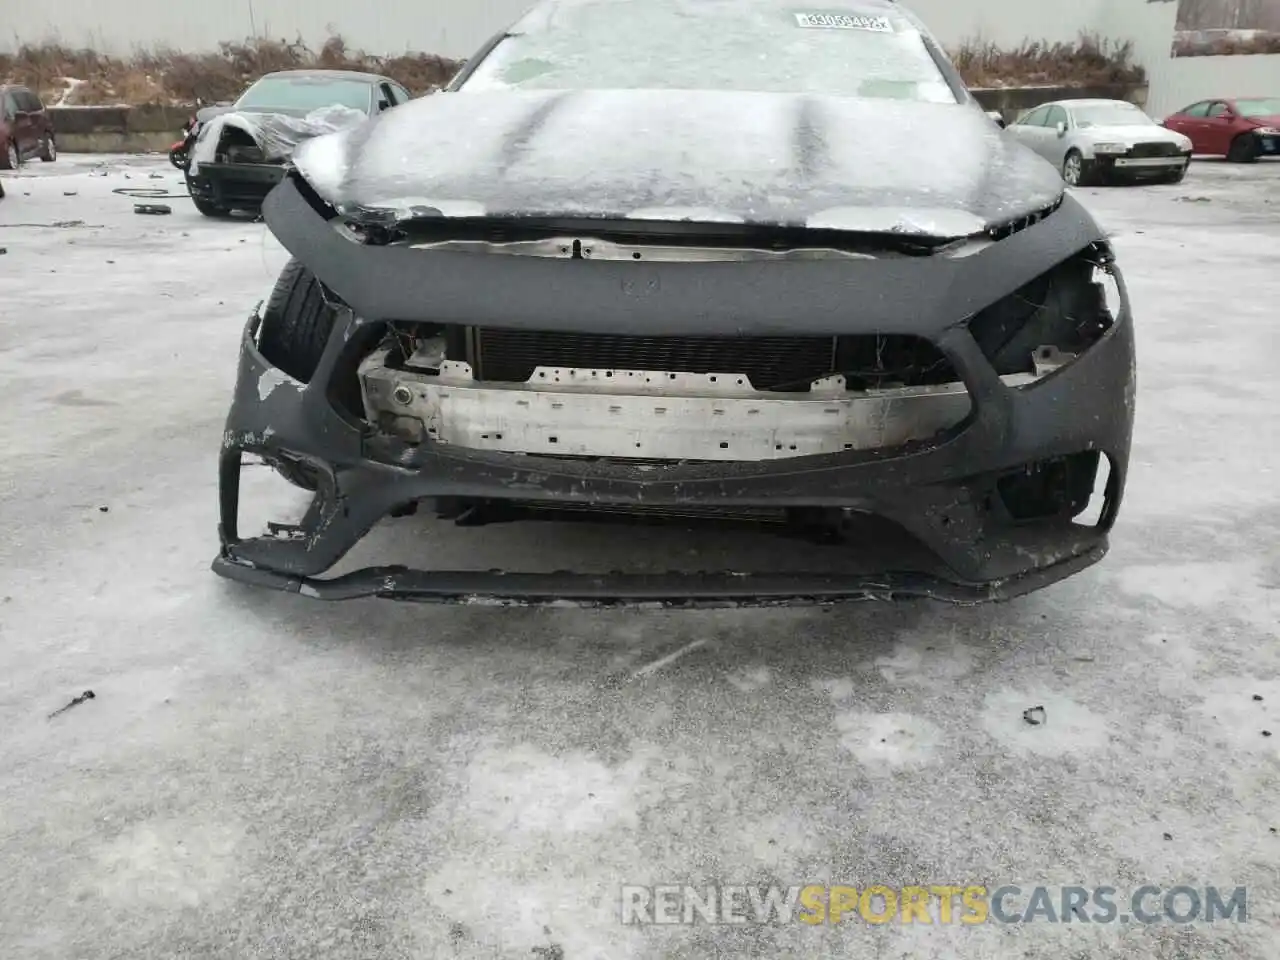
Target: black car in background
point(240, 152)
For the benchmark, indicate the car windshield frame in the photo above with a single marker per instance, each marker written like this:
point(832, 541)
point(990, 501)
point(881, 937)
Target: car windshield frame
point(1259, 107)
point(361, 90)
point(1110, 115)
point(586, 46)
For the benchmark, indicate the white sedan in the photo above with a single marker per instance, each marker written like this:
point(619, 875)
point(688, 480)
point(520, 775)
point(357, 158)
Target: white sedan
point(1102, 141)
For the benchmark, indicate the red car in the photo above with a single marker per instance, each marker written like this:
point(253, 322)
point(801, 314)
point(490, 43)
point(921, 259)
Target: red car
point(1242, 130)
point(26, 130)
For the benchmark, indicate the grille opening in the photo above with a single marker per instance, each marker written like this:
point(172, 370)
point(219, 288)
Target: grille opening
point(1009, 228)
point(1070, 306)
point(670, 233)
point(237, 146)
point(1144, 150)
point(780, 364)
point(1059, 488)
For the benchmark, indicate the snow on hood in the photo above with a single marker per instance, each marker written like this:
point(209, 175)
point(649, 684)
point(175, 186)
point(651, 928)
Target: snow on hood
point(1131, 133)
point(784, 159)
point(277, 134)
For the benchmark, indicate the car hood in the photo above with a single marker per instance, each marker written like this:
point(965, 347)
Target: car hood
point(1132, 133)
point(941, 170)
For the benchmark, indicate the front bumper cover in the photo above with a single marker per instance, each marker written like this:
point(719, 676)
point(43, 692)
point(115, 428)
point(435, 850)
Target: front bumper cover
point(940, 491)
point(234, 185)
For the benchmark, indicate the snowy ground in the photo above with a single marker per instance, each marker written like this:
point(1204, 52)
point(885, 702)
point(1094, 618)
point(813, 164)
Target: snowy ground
point(260, 775)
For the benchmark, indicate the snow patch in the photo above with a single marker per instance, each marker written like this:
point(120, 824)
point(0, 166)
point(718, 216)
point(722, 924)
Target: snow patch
point(272, 379)
point(890, 741)
point(749, 681)
point(70, 85)
point(1067, 727)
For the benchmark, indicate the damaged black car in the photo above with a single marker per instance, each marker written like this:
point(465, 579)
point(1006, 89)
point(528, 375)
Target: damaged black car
point(240, 151)
point(729, 261)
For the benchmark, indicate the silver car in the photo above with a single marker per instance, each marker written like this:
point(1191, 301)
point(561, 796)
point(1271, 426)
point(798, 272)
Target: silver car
point(1102, 141)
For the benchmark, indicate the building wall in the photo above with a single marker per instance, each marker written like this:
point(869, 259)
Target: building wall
point(448, 27)
point(1175, 82)
point(1184, 80)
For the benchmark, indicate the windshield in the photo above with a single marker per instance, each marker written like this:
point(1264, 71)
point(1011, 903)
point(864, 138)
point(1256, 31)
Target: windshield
point(1258, 108)
point(731, 45)
point(304, 94)
point(1119, 115)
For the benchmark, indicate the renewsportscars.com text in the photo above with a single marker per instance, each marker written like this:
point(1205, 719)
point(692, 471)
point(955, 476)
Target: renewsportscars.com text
point(817, 904)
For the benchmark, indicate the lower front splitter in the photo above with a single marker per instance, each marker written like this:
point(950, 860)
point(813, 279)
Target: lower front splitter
point(682, 590)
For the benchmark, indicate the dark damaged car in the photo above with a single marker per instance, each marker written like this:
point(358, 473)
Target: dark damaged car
point(240, 151)
point(732, 261)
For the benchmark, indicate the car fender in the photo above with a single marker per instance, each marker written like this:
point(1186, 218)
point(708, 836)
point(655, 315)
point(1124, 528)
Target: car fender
point(1079, 142)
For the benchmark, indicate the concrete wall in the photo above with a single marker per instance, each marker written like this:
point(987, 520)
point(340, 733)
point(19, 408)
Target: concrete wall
point(117, 129)
point(449, 27)
point(148, 129)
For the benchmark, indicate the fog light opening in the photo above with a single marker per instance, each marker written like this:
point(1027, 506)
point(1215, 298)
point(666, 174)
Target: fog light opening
point(269, 504)
point(1096, 512)
point(1056, 489)
point(1104, 277)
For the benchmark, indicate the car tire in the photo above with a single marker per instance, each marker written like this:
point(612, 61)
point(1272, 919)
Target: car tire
point(9, 159)
point(211, 209)
point(48, 149)
point(1176, 177)
point(1076, 171)
point(1243, 149)
point(296, 322)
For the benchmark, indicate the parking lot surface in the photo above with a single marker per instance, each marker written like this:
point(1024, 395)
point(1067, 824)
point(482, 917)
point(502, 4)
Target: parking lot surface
point(262, 775)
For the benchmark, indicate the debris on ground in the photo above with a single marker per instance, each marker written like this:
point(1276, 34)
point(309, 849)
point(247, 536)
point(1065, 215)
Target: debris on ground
point(1034, 716)
point(76, 701)
point(56, 224)
point(152, 209)
point(1257, 697)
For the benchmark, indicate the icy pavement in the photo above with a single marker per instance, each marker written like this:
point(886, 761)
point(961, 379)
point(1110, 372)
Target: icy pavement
point(259, 775)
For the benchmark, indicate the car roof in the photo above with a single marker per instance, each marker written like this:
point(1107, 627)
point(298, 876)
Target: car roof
point(1096, 102)
point(369, 78)
point(1231, 100)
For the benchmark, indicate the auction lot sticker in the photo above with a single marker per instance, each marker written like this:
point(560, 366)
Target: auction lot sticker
point(843, 21)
